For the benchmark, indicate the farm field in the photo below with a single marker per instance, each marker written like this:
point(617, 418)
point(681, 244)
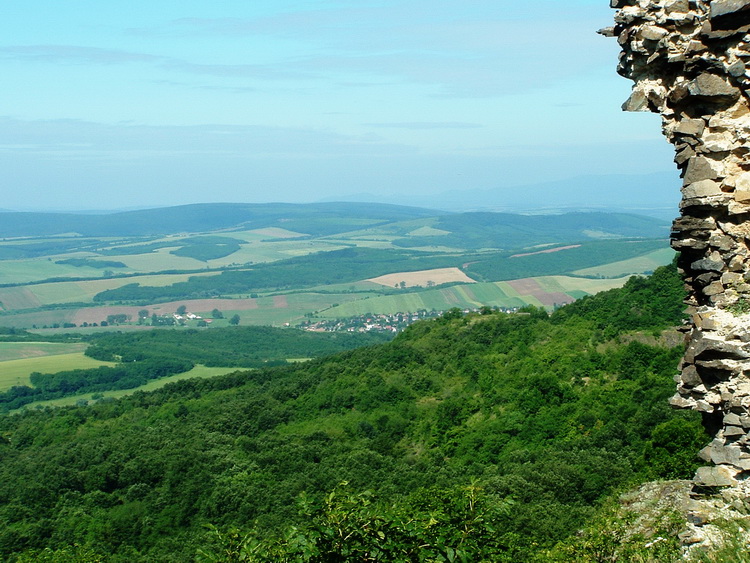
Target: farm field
point(197, 371)
point(547, 291)
point(31, 270)
point(25, 350)
point(275, 310)
point(342, 300)
point(287, 249)
point(39, 295)
point(646, 263)
point(17, 372)
point(423, 278)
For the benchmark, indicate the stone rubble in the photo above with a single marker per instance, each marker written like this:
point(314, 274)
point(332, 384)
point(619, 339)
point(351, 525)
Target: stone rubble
point(689, 60)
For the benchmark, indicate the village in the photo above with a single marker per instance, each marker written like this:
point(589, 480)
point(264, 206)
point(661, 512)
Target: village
point(395, 322)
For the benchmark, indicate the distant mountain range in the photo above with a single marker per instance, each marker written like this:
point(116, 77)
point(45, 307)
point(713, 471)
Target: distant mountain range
point(655, 195)
point(313, 219)
point(407, 226)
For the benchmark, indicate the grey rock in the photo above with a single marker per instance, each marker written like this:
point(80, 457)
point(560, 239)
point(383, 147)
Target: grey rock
point(737, 69)
point(682, 156)
point(724, 7)
point(732, 419)
point(694, 127)
point(700, 168)
point(690, 377)
point(714, 477)
point(733, 431)
point(713, 86)
point(702, 188)
point(707, 264)
point(680, 6)
point(653, 33)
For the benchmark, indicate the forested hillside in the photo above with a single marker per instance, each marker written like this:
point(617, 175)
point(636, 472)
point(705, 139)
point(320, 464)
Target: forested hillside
point(482, 437)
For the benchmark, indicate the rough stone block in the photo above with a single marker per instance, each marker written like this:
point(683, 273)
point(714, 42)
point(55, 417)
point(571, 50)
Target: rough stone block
point(724, 7)
point(715, 477)
point(707, 264)
point(693, 127)
point(679, 6)
point(702, 188)
point(652, 33)
point(709, 85)
point(700, 168)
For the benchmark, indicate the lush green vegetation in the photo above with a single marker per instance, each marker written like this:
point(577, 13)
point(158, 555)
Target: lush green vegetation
point(83, 262)
point(18, 372)
point(338, 266)
point(508, 230)
point(144, 356)
point(507, 267)
point(354, 264)
point(480, 437)
point(225, 347)
point(200, 248)
point(56, 264)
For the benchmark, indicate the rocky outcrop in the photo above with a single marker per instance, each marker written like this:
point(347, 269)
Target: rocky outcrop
point(690, 60)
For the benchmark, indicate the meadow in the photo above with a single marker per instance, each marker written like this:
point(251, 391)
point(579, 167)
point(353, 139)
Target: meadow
point(197, 372)
point(17, 371)
point(640, 264)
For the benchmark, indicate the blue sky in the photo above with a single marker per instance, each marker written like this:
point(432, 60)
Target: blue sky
point(108, 105)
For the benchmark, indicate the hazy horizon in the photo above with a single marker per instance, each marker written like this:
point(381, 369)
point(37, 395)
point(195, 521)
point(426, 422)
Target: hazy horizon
point(301, 101)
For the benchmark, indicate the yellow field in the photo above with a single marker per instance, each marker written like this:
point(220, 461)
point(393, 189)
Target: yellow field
point(422, 277)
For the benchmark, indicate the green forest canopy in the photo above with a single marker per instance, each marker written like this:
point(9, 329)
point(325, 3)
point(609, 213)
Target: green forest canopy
point(471, 437)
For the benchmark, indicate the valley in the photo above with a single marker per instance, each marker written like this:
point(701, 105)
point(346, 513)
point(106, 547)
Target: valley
point(283, 264)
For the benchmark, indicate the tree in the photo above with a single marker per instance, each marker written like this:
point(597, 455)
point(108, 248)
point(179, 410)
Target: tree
point(181, 310)
point(216, 314)
point(235, 320)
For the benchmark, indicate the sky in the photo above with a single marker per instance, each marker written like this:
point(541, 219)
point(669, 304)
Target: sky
point(116, 105)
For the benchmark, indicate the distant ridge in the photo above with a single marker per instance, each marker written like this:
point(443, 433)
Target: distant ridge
point(655, 195)
point(461, 230)
point(311, 218)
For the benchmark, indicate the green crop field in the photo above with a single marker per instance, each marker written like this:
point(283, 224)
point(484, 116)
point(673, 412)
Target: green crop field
point(197, 371)
point(265, 251)
point(498, 294)
point(17, 298)
point(646, 263)
point(17, 372)
point(30, 270)
point(160, 259)
point(590, 286)
point(24, 350)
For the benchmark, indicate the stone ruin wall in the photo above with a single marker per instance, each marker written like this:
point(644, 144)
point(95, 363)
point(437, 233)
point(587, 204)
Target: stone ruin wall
point(690, 61)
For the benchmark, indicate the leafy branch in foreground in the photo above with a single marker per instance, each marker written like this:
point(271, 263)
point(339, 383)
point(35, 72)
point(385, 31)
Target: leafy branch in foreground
point(461, 524)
